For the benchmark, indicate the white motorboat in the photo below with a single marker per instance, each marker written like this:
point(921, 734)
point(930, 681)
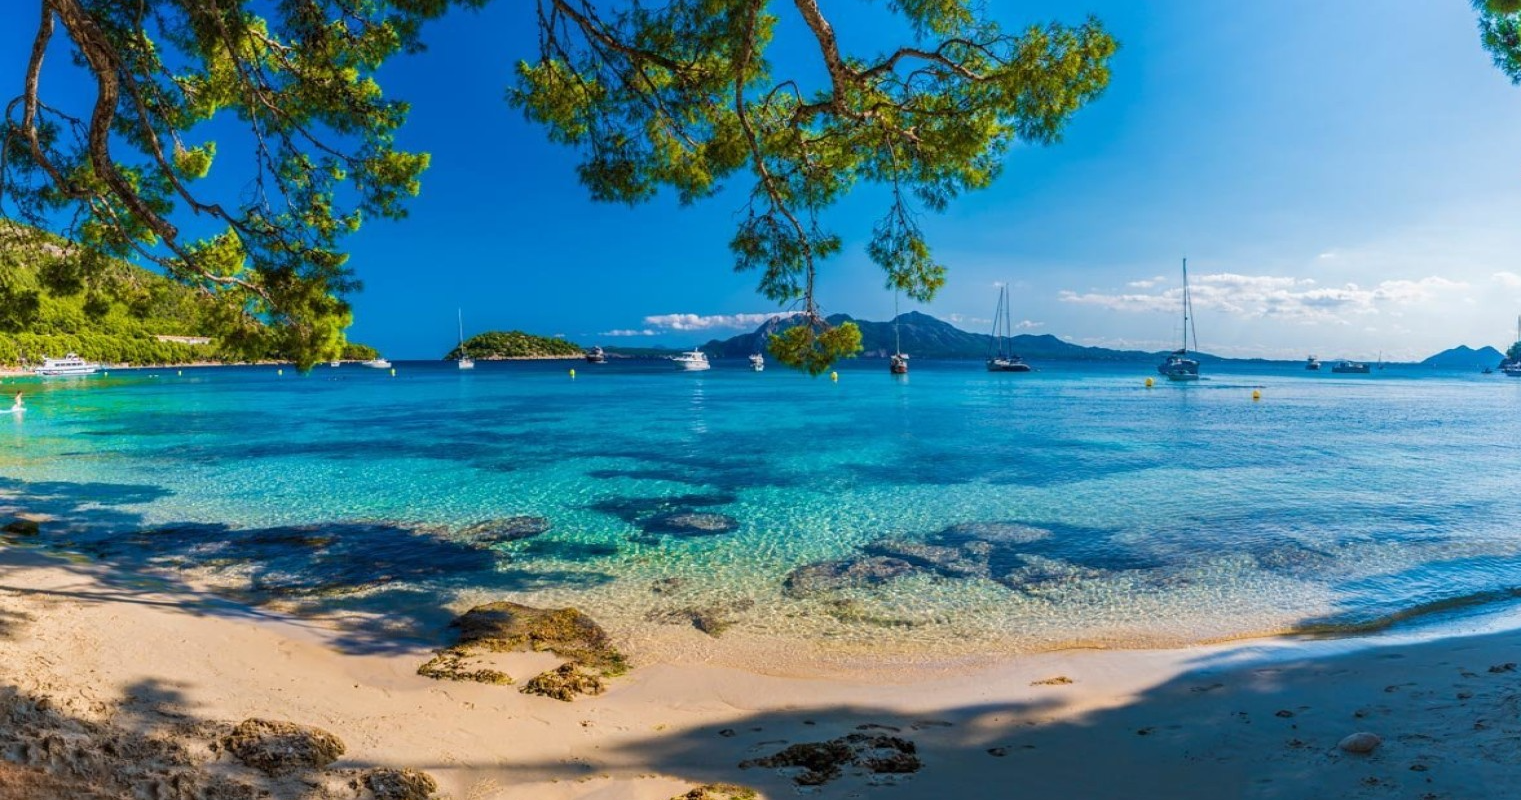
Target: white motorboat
point(69, 365)
point(757, 362)
point(692, 361)
point(376, 363)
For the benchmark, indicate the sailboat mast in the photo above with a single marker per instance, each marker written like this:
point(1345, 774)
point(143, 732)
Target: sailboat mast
point(1008, 323)
point(1185, 306)
point(461, 313)
point(897, 341)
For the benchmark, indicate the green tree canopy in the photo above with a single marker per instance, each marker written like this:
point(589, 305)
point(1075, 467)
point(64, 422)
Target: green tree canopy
point(1500, 31)
point(678, 95)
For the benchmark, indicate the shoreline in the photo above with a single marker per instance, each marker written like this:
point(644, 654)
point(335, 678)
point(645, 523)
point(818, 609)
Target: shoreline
point(1259, 719)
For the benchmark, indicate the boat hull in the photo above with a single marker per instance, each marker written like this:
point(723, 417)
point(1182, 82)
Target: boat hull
point(66, 372)
point(693, 367)
point(1005, 365)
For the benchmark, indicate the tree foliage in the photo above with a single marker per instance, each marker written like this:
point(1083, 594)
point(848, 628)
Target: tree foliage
point(680, 95)
point(514, 344)
point(122, 173)
point(1500, 31)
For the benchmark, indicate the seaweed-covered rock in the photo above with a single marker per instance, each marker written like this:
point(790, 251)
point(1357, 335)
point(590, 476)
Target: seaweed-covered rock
point(564, 683)
point(826, 576)
point(400, 784)
point(506, 627)
point(276, 748)
point(719, 791)
point(507, 529)
point(22, 526)
point(821, 762)
point(691, 523)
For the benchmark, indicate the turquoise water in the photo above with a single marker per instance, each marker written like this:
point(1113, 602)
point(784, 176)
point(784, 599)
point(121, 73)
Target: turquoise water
point(951, 510)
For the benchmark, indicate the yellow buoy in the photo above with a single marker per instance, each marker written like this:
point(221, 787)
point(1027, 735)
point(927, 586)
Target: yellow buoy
point(393, 372)
point(834, 376)
point(1256, 395)
point(279, 372)
point(1150, 383)
point(179, 372)
point(572, 372)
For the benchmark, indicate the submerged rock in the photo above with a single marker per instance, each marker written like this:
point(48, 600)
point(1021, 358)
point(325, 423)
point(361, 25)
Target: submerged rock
point(828, 576)
point(507, 529)
point(994, 532)
point(277, 748)
point(970, 561)
point(506, 627)
point(21, 526)
point(822, 762)
point(712, 620)
point(1360, 743)
point(400, 784)
point(691, 523)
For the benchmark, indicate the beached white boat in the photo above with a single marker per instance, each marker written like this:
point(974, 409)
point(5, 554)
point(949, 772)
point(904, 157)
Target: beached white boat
point(1178, 366)
point(376, 363)
point(692, 361)
point(757, 362)
point(465, 361)
point(69, 365)
point(1001, 355)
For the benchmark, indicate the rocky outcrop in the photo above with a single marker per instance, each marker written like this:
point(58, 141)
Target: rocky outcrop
point(399, 784)
point(830, 576)
point(506, 529)
point(278, 748)
point(507, 627)
point(821, 762)
point(719, 791)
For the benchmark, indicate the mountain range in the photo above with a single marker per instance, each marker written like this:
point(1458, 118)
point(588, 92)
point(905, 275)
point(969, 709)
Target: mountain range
point(924, 336)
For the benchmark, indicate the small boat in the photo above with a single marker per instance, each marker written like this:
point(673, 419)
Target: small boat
point(1350, 368)
point(1001, 355)
point(1512, 369)
point(1512, 366)
point(376, 363)
point(1178, 366)
point(692, 361)
point(464, 361)
point(69, 365)
point(333, 363)
point(596, 356)
point(897, 364)
point(1487, 371)
point(1313, 364)
point(757, 362)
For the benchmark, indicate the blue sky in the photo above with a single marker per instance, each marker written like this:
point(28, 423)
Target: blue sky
point(1342, 175)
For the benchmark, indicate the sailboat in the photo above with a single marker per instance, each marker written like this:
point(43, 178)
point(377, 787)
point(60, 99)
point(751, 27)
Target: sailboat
point(898, 364)
point(1001, 356)
point(465, 361)
point(1178, 366)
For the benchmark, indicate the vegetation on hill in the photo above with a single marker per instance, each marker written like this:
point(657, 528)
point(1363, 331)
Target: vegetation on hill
point(111, 312)
point(494, 345)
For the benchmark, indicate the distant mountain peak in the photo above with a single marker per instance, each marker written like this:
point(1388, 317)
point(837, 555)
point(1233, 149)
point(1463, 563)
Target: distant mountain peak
point(1465, 356)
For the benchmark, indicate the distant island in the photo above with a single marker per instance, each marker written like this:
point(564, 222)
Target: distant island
point(508, 345)
point(1463, 357)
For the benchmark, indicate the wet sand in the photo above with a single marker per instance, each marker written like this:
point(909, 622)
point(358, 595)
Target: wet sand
point(1252, 719)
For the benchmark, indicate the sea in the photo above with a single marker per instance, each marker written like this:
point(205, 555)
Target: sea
point(949, 511)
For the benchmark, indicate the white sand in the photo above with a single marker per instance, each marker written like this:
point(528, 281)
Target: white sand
point(1258, 719)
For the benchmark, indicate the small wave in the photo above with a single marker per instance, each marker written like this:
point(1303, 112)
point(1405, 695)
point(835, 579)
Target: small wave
point(1446, 605)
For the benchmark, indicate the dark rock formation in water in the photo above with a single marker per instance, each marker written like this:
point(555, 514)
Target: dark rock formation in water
point(278, 748)
point(850, 573)
point(691, 523)
point(507, 627)
point(507, 529)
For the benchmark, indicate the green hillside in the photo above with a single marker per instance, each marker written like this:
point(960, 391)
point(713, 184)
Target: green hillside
point(494, 345)
point(53, 302)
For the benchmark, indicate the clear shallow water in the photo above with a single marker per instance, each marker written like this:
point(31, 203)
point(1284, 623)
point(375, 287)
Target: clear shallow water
point(953, 511)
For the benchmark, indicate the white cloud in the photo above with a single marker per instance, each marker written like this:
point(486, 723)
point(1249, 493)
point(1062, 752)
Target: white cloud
point(1509, 280)
point(1147, 283)
point(1029, 325)
point(627, 332)
point(698, 322)
point(962, 319)
point(1254, 296)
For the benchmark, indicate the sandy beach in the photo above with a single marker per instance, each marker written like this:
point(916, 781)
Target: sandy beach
point(89, 655)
